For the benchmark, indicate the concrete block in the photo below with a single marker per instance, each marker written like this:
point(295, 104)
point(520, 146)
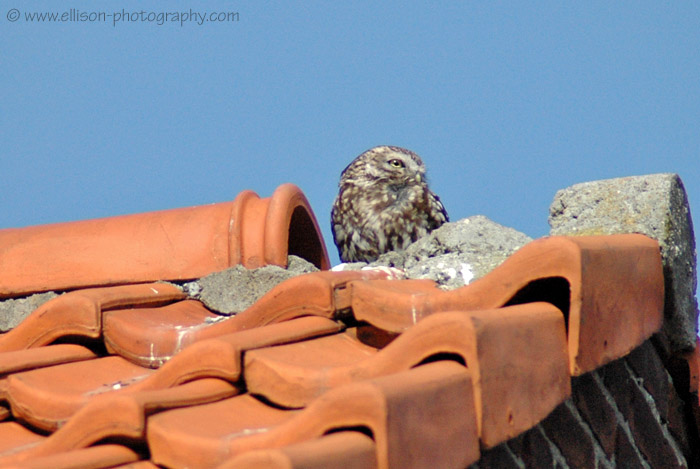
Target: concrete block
point(654, 205)
point(13, 311)
point(456, 253)
point(235, 289)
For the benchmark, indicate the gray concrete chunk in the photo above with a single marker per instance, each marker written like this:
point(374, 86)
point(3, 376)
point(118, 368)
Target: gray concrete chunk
point(13, 311)
point(235, 289)
point(456, 253)
point(655, 205)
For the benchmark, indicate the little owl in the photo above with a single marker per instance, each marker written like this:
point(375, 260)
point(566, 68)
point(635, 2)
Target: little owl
point(384, 204)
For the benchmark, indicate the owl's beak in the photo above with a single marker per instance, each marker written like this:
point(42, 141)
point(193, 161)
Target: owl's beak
point(419, 178)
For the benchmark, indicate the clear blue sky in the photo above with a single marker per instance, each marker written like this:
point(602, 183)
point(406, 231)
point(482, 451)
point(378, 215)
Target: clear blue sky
point(506, 102)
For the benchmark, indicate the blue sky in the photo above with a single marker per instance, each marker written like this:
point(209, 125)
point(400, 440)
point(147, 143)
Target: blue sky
point(506, 102)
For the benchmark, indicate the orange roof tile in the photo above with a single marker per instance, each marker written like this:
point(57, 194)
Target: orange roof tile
point(442, 429)
point(109, 416)
point(346, 449)
point(176, 244)
point(80, 313)
point(151, 336)
point(295, 375)
point(107, 455)
point(585, 276)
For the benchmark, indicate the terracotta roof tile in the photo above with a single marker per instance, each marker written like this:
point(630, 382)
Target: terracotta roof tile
point(294, 375)
point(508, 340)
point(342, 450)
point(119, 415)
point(14, 436)
point(151, 336)
point(329, 369)
point(173, 244)
point(80, 313)
point(139, 465)
point(317, 293)
point(221, 357)
point(198, 436)
point(442, 429)
point(108, 455)
point(22, 360)
point(47, 397)
point(588, 277)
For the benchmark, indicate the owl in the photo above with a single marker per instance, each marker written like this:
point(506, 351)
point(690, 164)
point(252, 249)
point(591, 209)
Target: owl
point(384, 204)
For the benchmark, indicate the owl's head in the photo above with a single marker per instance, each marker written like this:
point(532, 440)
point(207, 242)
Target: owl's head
point(386, 164)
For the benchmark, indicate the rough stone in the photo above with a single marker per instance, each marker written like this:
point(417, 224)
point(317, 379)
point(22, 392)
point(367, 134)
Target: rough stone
point(456, 253)
point(654, 205)
point(13, 311)
point(233, 290)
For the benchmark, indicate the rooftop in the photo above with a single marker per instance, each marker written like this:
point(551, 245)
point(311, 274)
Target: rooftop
point(577, 350)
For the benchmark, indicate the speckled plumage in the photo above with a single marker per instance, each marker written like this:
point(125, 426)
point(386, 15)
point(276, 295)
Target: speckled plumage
point(384, 204)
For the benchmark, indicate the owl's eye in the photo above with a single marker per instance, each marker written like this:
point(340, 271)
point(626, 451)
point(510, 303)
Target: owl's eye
point(396, 163)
